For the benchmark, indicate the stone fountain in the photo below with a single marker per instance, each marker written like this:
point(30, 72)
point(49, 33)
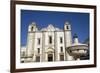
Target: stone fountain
point(77, 49)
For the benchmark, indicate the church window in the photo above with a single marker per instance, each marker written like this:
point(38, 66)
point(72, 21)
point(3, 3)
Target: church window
point(38, 41)
point(61, 49)
point(61, 40)
point(50, 39)
point(38, 49)
point(67, 27)
point(31, 28)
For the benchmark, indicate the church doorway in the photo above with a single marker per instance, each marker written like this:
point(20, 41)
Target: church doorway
point(50, 57)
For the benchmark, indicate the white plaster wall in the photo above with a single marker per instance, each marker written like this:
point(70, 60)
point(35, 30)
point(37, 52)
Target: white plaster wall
point(30, 44)
point(68, 42)
point(68, 38)
point(55, 45)
point(60, 34)
point(23, 49)
point(36, 45)
point(47, 45)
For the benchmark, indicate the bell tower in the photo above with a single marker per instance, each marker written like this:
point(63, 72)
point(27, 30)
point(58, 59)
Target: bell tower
point(68, 39)
point(32, 27)
point(67, 26)
point(30, 40)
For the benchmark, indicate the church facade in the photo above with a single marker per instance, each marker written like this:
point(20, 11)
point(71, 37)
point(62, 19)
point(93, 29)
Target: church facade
point(47, 44)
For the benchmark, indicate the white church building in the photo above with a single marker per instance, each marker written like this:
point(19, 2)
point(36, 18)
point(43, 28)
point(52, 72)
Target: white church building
point(51, 44)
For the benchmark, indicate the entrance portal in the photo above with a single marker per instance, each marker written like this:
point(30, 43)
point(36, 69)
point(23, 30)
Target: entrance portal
point(50, 57)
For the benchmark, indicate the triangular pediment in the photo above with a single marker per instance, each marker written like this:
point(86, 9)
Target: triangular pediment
point(50, 27)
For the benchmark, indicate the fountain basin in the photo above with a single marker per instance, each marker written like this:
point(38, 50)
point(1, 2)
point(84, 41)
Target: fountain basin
point(78, 49)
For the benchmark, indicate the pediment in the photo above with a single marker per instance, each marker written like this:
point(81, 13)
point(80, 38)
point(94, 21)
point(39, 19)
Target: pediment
point(50, 27)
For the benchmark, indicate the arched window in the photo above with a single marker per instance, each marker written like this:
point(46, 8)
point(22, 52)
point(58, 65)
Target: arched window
point(38, 49)
point(61, 49)
point(31, 28)
point(61, 40)
point(38, 41)
point(67, 27)
point(50, 39)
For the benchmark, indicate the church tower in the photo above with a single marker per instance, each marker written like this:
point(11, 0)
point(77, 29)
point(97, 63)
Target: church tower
point(68, 39)
point(30, 40)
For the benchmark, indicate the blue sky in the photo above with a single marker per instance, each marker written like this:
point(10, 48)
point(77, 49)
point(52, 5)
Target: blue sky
point(79, 22)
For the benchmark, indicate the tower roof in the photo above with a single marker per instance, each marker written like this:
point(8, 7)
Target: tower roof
point(33, 23)
point(67, 23)
point(75, 36)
